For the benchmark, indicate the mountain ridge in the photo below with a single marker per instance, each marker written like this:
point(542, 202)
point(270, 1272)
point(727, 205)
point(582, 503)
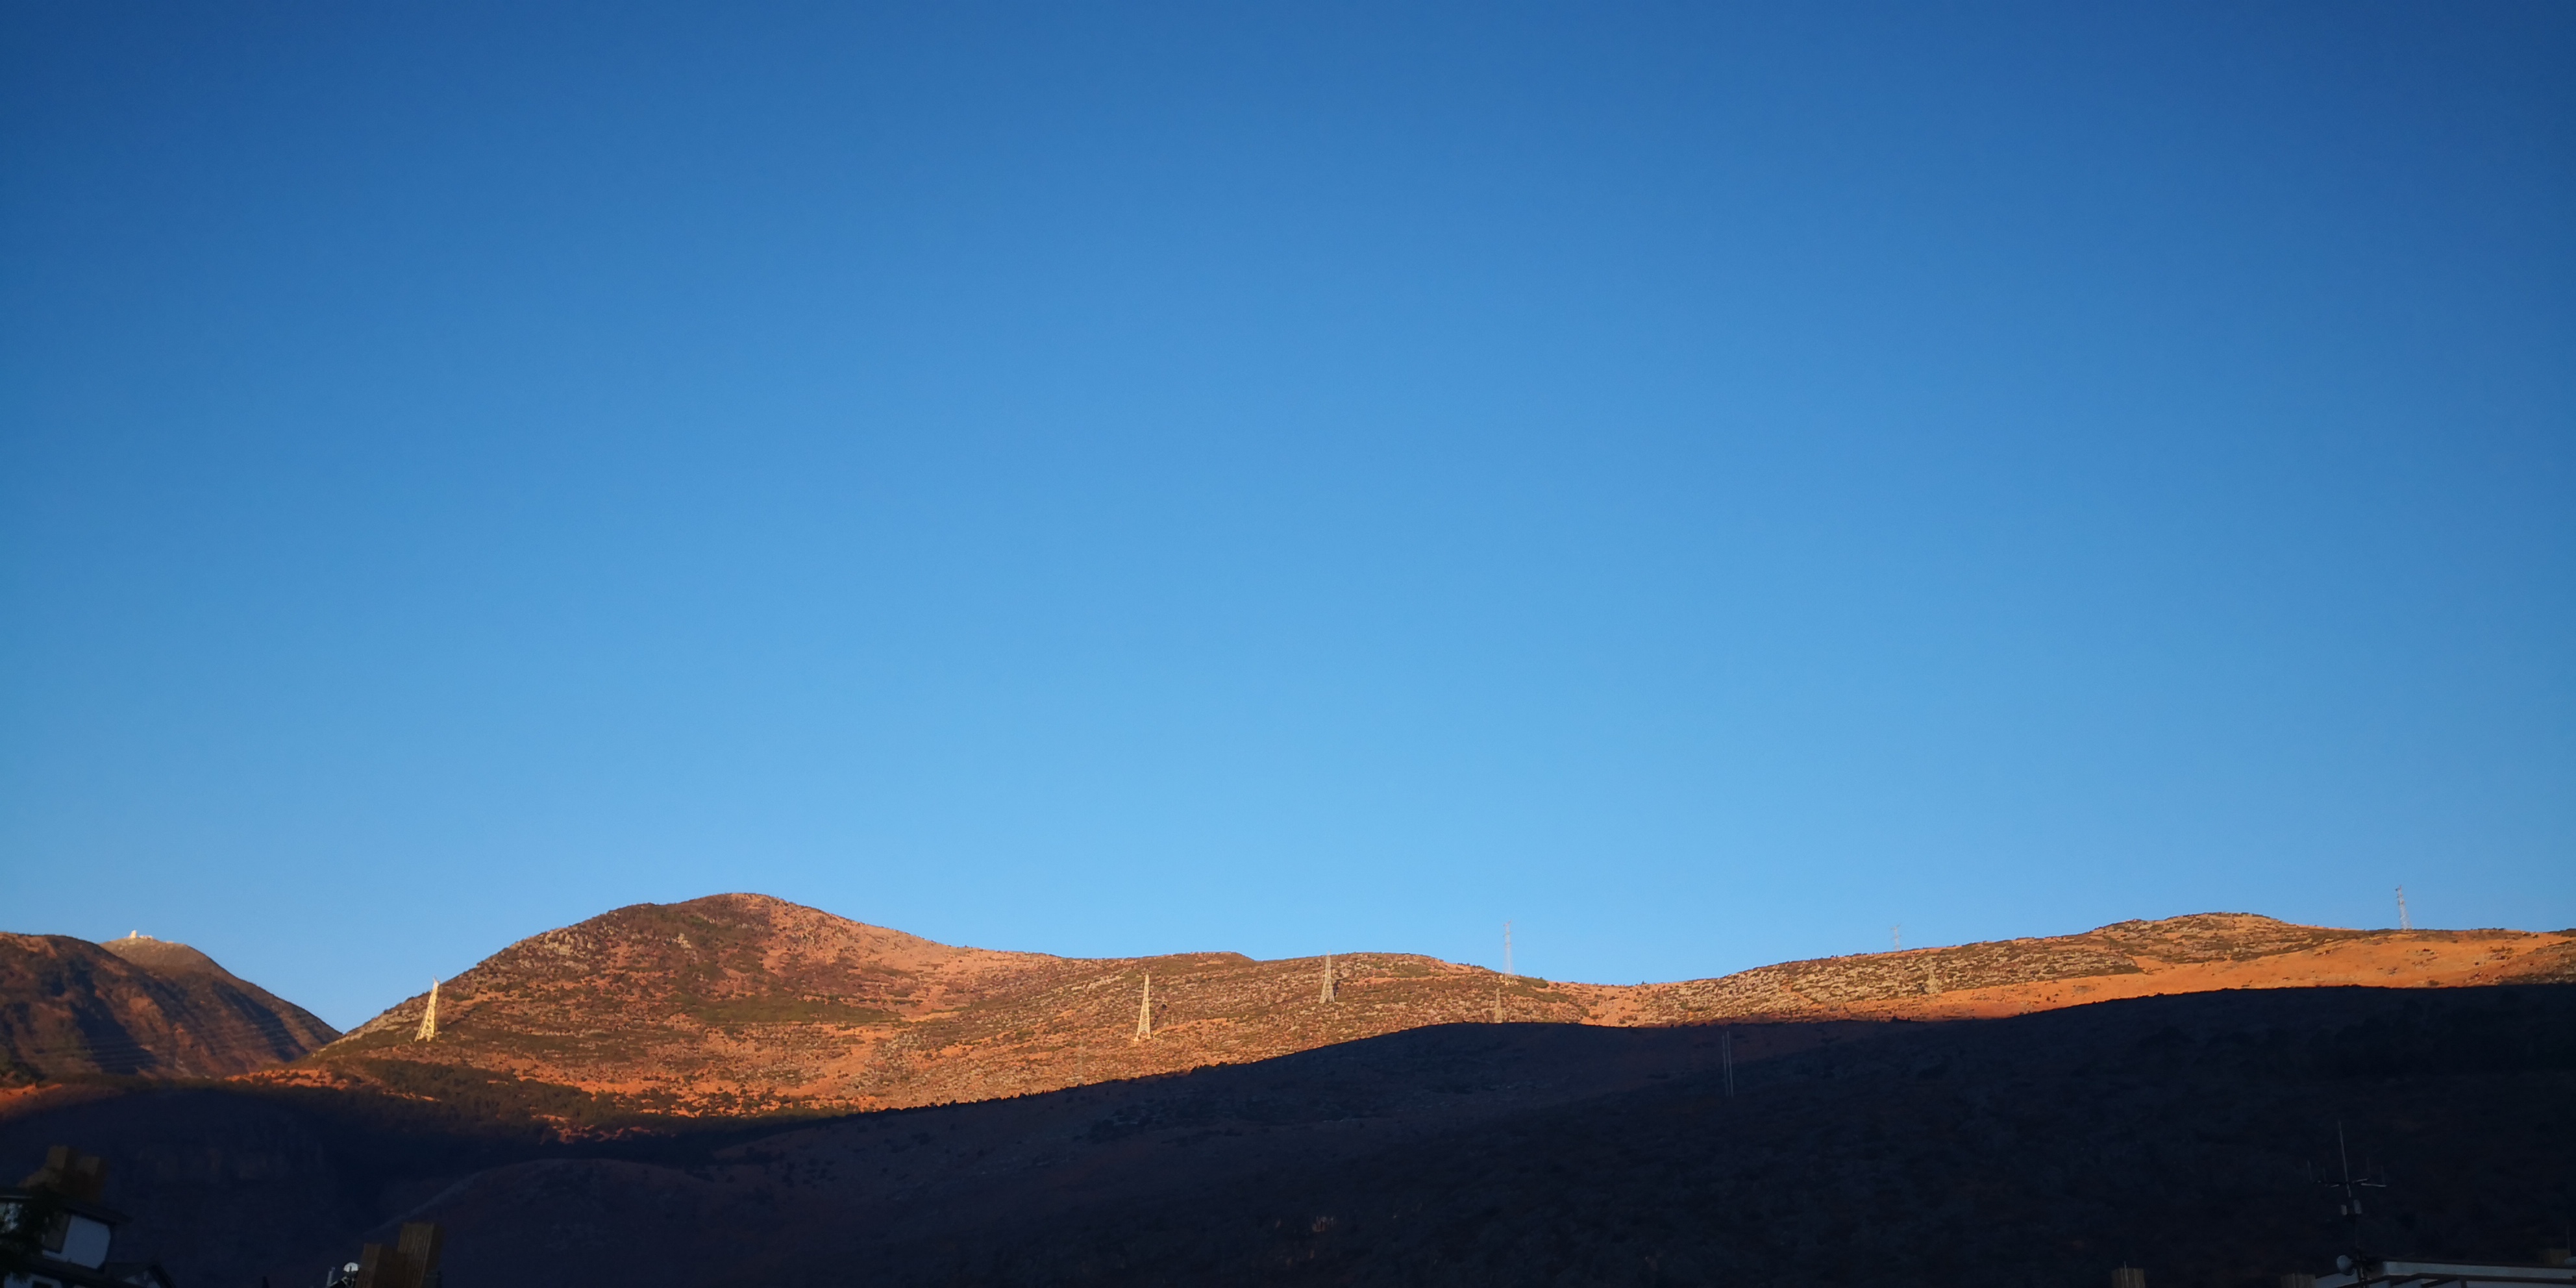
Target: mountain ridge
point(138, 1007)
point(742, 1003)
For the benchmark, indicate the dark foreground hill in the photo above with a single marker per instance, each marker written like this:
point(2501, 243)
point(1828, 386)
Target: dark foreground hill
point(2173, 1132)
point(138, 1006)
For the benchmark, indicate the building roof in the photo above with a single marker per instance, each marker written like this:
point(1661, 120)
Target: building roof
point(95, 1211)
point(2450, 1274)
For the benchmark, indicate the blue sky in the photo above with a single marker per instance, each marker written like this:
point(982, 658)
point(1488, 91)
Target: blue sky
point(1704, 483)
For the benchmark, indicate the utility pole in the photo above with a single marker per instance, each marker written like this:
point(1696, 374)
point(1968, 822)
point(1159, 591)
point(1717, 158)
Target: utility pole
point(1145, 1012)
point(1328, 979)
point(2402, 922)
point(428, 1017)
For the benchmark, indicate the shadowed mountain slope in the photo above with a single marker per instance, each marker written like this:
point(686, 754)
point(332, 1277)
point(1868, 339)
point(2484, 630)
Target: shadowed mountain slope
point(2174, 1132)
point(138, 1006)
point(742, 1003)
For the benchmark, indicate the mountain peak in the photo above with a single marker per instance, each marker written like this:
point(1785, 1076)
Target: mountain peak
point(165, 956)
point(138, 1006)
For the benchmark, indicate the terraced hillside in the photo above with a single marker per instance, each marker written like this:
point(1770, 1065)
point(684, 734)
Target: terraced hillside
point(743, 1003)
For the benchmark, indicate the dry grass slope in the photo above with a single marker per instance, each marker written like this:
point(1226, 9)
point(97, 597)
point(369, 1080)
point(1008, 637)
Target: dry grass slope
point(740, 1004)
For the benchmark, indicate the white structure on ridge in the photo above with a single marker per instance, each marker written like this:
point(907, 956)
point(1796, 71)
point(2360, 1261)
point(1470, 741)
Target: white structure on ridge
point(428, 1016)
point(1327, 994)
point(1145, 1011)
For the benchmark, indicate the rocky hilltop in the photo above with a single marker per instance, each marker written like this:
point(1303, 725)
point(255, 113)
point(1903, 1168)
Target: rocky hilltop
point(738, 1003)
point(743, 1003)
point(138, 1006)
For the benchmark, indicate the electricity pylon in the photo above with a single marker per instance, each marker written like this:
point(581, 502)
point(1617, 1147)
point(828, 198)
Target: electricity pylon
point(1145, 1012)
point(428, 1016)
point(1327, 994)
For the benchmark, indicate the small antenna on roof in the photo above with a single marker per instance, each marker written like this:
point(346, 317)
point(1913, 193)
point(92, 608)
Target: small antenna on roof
point(2350, 1208)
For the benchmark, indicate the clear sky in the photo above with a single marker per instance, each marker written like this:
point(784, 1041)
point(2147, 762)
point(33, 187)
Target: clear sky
point(1704, 483)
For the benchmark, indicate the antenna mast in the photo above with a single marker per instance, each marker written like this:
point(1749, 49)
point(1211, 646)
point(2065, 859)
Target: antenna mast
point(2350, 1209)
point(2402, 922)
point(1896, 939)
point(428, 1017)
point(1507, 948)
